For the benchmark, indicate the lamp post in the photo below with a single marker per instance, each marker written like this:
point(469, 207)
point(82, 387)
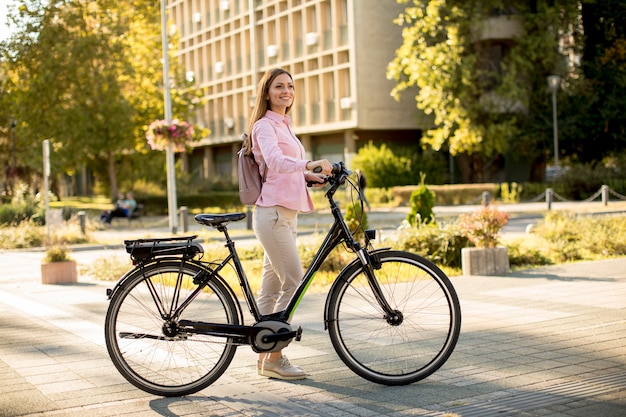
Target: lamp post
point(553, 83)
point(169, 152)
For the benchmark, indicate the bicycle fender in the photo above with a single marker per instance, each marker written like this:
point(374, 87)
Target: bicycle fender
point(340, 279)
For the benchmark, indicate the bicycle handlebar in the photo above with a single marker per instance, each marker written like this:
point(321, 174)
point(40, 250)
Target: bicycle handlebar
point(338, 174)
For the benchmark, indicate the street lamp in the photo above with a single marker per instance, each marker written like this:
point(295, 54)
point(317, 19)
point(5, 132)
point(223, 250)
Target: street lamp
point(169, 152)
point(553, 83)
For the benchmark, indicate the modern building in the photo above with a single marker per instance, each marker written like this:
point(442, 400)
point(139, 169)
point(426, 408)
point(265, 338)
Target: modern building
point(337, 52)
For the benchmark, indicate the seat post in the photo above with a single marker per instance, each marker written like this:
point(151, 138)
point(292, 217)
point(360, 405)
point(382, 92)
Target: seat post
point(222, 228)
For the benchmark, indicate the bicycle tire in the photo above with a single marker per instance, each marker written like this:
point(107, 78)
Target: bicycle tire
point(135, 333)
point(399, 353)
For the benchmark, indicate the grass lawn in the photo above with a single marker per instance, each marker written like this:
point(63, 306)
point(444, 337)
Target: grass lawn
point(92, 205)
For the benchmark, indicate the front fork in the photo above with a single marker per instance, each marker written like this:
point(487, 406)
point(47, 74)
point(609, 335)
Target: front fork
point(370, 264)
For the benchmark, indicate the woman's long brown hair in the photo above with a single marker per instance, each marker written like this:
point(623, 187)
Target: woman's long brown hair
point(262, 105)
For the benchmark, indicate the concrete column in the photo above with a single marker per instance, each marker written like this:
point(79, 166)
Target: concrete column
point(349, 147)
point(208, 167)
point(307, 142)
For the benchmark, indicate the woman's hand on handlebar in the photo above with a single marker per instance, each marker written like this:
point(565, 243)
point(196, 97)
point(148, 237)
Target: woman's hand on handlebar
point(322, 166)
point(316, 180)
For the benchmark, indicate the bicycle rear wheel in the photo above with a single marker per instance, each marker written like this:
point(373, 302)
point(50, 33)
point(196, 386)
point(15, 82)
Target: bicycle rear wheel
point(401, 350)
point(145, 344)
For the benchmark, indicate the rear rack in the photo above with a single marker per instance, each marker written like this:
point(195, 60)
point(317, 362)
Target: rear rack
point(145, 249)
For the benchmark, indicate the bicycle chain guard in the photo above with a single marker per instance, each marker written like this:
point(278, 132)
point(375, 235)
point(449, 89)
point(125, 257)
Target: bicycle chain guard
point(273, 336)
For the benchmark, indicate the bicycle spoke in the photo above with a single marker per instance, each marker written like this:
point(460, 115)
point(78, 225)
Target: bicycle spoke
point(148, 346)
point(411, 344)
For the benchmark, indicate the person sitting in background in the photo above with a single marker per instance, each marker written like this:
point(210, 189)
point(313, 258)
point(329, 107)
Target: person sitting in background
point(124, 207)
point(106, 214)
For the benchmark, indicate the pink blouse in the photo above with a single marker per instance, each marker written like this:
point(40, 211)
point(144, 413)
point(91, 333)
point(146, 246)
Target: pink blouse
point(277, 146)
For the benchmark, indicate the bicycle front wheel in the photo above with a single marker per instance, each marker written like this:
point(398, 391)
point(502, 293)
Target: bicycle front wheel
point(142, 336)
point(413, 343)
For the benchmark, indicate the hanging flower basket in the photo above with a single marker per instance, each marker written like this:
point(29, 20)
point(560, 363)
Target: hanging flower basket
point(160, 134)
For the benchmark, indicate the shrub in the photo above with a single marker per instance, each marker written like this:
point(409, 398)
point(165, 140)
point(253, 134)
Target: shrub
point(439, 244)
point(448, 195)
point(23, 206)
point(389, 165)
point(26, 234)
point(482, 227)
point(381, 167)
point(563, 239)
point(510, 193)
point(569, 237)
point(422, 204)
point(56, 254)
point(528, 252)
point(29, 234)
point(109, 268)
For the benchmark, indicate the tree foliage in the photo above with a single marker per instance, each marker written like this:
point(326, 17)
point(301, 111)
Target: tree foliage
point(481, 91)
point(593, 113)
point(87, 75)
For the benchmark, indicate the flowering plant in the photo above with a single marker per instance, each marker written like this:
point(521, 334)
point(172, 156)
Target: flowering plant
point(483, 226)
point(160, 134)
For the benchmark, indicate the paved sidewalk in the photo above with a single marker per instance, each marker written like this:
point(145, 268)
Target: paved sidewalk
point(545, 342)
point(535, 343)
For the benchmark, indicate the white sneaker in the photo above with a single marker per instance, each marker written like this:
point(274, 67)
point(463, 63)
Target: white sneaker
point(280, 369)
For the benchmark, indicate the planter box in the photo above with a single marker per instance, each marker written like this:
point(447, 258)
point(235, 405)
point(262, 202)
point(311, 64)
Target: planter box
point(59, 273)
point(485, 261)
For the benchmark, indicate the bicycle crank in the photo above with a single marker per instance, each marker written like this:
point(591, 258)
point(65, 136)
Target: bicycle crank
point(273, 336)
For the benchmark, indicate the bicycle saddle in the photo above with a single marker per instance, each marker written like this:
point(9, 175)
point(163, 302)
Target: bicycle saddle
point(215, 220)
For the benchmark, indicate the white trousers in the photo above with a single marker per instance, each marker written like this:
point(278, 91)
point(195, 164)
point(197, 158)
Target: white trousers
point(276, 227)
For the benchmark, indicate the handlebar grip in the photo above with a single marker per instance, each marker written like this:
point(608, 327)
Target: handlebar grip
point(337, 168)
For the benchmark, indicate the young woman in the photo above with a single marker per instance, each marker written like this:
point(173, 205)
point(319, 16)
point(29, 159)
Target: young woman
point(283, 195)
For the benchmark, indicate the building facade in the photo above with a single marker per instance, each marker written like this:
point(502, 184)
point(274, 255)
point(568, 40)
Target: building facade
point(337, 52)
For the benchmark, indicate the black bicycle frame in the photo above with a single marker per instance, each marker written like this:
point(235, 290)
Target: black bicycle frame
point(338, 233)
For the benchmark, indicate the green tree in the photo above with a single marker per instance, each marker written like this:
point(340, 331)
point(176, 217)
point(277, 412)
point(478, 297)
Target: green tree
point(593, 113)
point(481, 93)
point(88, 76)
